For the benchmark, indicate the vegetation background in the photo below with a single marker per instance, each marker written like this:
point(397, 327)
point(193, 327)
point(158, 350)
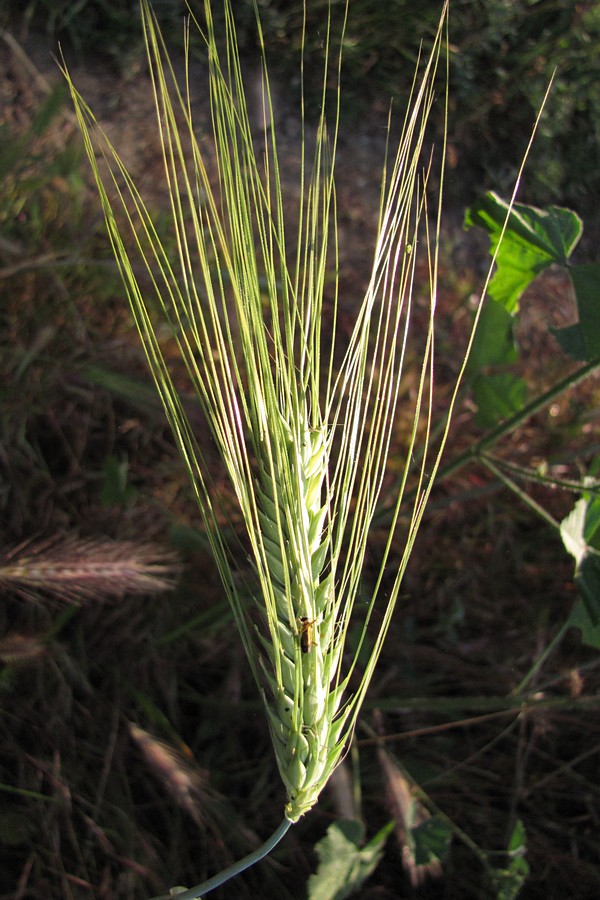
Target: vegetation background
point(133, 749)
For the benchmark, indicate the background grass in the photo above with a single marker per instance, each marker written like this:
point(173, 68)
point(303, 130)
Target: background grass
point(89, 808)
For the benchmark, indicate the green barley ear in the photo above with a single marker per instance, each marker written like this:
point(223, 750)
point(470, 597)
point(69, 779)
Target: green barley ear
point(304, 435)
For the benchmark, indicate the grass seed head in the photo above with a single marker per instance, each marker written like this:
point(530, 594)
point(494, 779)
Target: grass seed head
point(304, 436)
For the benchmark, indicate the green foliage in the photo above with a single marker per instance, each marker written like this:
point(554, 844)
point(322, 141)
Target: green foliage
point(14, 150)
point(106, 27)
point(524, 242)
point(582, 340)
point(509, 881)
point(40, 185)
point(507, 52)
point(430, 840)
point(503, 55)
point(345, 863)
point(580, 531)
point(115, 489)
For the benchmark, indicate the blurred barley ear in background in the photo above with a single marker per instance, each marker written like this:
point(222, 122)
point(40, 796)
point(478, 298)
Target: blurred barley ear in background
point(78, 570)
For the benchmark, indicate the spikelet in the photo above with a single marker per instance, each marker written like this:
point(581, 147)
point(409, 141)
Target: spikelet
point(299, 658)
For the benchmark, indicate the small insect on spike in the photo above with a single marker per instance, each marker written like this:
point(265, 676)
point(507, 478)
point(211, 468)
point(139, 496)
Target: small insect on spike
point(306, 634)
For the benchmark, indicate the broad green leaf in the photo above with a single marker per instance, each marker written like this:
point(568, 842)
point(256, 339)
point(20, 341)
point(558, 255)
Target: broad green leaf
point(582, 340)
point(533, 240)
point(431, 840)
point(591, 526)
point(571, 341)
point(344, 865)
point(587, 579)
point(578, 530)
point(580, 618)
point(586, 281)
point(582, 526)
point(510, 881)
point(517, 843)
point(497, 394)
point(498, 397)
point(494, 343)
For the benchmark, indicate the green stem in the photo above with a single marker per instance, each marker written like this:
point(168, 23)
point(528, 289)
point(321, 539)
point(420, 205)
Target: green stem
point(542, 658)
point(518, 418)
point(518, 702)
point(476, 450)
point(536, 477)
point(245, 863)
point(514, 487)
